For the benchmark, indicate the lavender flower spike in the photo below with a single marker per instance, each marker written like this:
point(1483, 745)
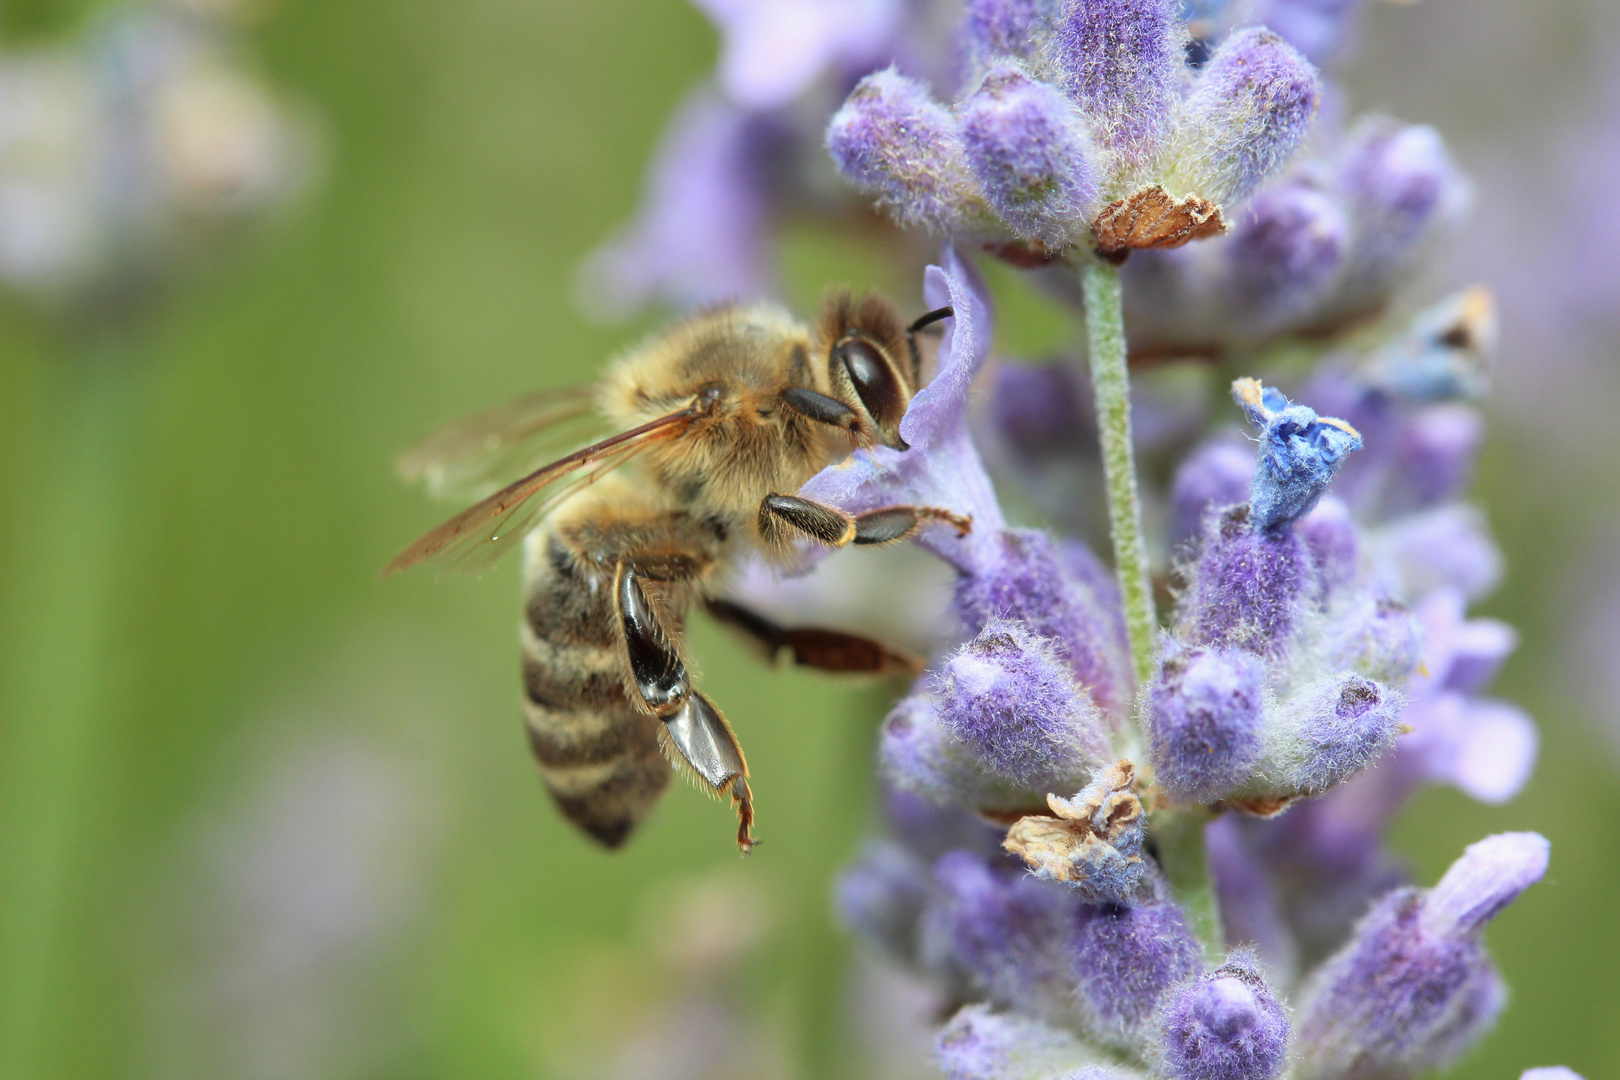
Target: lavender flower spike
point(1251, 109)
point(1300, 453)
point(1225, 1026)
point(1119, 61)
point(895, 142)
point(1414, 988)
point(1027, 148)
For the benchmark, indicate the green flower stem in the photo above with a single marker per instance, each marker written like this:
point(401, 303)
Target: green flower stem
point(1179, 833)
point(1111, 385)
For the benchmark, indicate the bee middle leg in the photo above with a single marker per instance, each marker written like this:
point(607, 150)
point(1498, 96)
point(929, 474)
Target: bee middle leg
point(814, 647)
point(695, 735)
point(832, 526)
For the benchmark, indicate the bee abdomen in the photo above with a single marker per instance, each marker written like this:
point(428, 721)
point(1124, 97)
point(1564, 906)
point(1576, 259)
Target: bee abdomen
point(597, 751)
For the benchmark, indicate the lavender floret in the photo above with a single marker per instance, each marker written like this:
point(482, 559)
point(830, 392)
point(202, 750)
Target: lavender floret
point(1227, 1025)
point(1119, 61)
point(1300, 453)
point(1012, 701)
point(1025, 144)
point(893, 141)
point(1251, 108)
point(1414, 986)
point(1204, 717)
point(1124, 959)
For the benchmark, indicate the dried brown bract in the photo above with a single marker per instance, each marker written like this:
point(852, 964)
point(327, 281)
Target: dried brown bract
point(1152, 219)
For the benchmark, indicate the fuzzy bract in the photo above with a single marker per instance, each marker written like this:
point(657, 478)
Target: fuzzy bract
point(1204, 717)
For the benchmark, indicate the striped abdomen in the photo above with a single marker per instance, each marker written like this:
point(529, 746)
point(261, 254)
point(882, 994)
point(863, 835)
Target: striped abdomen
point(597, 748)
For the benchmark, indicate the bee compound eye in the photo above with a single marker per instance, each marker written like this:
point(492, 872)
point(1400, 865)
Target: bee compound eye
point(874, 380)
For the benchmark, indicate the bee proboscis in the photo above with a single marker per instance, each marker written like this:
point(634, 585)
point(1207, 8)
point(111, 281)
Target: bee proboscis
point(721, 417)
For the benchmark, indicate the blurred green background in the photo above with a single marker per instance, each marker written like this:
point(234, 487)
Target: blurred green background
point(266, 816)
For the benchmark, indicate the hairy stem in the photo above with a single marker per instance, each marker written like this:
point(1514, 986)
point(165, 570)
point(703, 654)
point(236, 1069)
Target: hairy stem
point(1111, 386)
point(1179, 836)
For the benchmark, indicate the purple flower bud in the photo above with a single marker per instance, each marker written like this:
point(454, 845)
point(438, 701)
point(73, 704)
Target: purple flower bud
point(1028, 149)
point(1328, 732)
point(1013, 703)
point(1125, 958)
point(1402, 186)
point(1248, 587)
point(880, 897)
point(1377, 637)
point(1026, 577)
point(1413, 987)
point(1007, 931)
point(1203, 718)
point(1119, 61)
point(1299, 454)
point(930, 830)
point(1213, 477)
point(1434, 459)
point(993, 28)
point(1331, 537)
point(1448, 547)
point(918, 754)
point(1252, 107)
point(979, 1044)
point(1284, 254)
point(1225, 1026)
point(893, 141)
point(1036, 409)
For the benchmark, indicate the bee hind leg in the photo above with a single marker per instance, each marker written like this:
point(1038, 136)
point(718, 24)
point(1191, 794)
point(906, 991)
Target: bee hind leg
point(704, 744)
point(814, 647)
point(835, 528)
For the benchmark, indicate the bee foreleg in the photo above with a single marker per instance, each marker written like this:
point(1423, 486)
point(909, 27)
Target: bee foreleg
point(709, 748)
point(655, 663)
point(814, 647)
point(893, 523)
point(826, 524)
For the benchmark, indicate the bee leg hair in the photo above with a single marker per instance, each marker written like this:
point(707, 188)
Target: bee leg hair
point(814, 647)
point(825, 524)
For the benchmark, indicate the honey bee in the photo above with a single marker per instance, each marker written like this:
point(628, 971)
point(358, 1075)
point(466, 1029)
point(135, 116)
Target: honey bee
point(721, 417)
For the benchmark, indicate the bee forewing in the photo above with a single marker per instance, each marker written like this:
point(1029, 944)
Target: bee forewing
point(473, 455)
point(474, 539)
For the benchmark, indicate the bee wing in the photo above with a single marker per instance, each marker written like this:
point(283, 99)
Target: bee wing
point(475, 538)
point(472, 456)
